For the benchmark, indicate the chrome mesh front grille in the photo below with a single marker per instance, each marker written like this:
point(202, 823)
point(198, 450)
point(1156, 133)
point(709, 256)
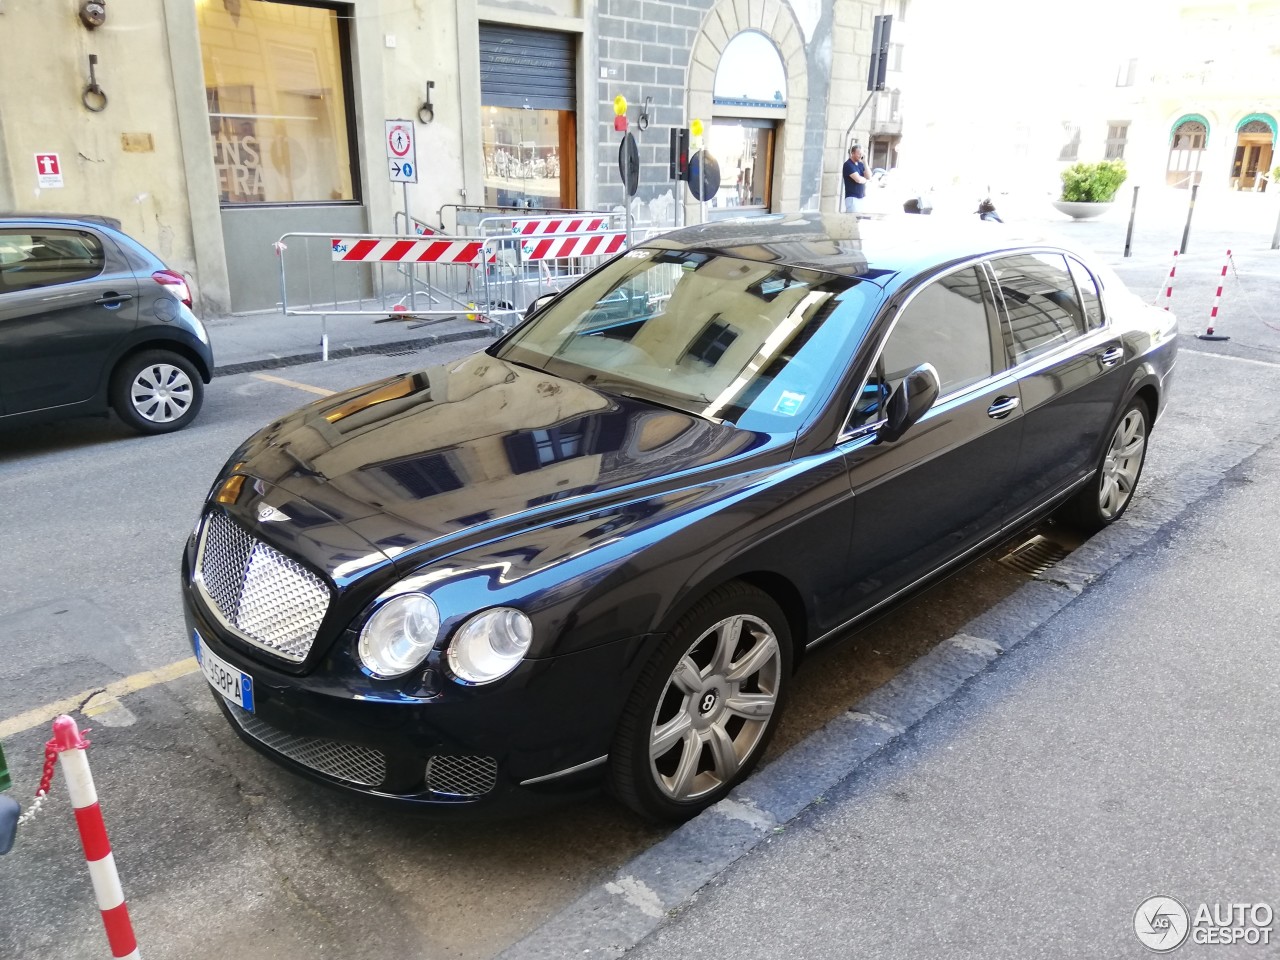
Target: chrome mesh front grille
point(343, 761)
point(462, 776)
point(270, 600)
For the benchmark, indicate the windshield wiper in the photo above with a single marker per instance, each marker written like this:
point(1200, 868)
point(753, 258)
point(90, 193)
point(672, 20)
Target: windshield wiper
point(628, 390)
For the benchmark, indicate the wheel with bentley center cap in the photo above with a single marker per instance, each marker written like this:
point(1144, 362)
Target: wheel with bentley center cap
point(705, 707)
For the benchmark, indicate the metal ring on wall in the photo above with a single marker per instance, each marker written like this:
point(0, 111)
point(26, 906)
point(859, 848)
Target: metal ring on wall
point(93, 95)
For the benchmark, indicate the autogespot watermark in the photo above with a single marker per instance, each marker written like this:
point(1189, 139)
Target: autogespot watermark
point(1164, 924)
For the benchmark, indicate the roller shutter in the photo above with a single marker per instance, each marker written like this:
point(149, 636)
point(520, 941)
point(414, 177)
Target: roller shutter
point(533, 67)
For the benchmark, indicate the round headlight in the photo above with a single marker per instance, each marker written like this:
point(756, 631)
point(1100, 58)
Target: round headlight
point(489, 645)
point(400, 635)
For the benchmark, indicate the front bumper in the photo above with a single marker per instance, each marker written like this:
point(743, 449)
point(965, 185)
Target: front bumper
point(532, 736)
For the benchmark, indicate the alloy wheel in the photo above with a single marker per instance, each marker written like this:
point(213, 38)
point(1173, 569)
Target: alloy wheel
point(715, 708)
point(161, 393)
point(1123, 462)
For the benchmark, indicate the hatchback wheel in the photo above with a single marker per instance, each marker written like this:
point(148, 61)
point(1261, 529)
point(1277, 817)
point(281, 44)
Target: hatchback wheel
point(156, 391)
point(1106, 497)
point(705, 706)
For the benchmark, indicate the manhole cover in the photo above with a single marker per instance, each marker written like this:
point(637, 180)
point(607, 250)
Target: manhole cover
point(1035, 556)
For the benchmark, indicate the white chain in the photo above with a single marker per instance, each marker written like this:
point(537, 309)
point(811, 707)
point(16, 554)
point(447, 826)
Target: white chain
point(35, 808)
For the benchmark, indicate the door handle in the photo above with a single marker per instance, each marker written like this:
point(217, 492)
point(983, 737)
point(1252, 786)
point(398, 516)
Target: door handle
point(1002, 407)
point(1110, 358)
point(113, 299)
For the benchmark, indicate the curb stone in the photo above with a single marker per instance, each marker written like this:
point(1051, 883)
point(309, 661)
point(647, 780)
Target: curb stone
point(335, 353)
point(615, 916)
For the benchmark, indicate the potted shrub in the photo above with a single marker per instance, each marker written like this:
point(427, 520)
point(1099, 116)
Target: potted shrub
point(1089, 188)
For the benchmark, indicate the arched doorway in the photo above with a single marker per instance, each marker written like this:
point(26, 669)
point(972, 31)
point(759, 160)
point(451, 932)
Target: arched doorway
point(749, 102)
point(1186, 148)
point(1255, 144)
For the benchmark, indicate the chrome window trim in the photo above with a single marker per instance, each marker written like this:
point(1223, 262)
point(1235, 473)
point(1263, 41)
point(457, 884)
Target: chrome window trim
point(847, 434)
point(1016, 372)
point(972, 551)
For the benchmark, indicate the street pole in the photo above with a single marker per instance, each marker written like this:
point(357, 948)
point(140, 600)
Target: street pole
point(1186, 231)
point(1133, 211)
point(1275, 237)
point(413, 284)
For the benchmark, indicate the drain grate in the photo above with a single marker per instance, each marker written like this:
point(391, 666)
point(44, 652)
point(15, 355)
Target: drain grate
point(399, 353)
point(1035, 556)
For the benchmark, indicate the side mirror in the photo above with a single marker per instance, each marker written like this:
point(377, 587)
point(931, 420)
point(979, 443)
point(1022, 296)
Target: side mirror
point(538, 304)
point(910, 401)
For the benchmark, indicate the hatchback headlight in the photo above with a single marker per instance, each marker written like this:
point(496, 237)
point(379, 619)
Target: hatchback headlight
point(490, 645)
point(399, 635)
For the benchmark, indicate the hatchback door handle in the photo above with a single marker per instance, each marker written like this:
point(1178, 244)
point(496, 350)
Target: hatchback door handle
point(1002, 407)
point(113, 299)
point(1111, 357)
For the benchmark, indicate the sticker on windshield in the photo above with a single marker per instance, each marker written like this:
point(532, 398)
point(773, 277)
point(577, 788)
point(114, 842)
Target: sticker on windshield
point(789, 403)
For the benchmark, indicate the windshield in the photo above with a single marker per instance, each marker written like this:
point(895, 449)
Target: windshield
point(754, 344)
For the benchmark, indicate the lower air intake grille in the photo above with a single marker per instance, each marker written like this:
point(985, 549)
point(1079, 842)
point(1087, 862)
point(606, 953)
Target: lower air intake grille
point(462, 776)
point(343, 761)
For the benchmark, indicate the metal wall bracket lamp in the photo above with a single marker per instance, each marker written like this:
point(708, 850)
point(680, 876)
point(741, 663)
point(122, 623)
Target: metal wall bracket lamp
point(426, 112)
point(93, 98)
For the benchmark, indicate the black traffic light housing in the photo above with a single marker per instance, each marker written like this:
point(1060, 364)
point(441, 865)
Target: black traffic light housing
point(879, 52)
point(679, 153)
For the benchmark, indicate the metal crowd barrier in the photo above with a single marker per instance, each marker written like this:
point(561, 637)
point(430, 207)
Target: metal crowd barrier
point(461, 219)
point(432, 278)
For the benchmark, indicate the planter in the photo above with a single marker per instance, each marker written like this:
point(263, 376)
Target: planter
point(1080, 210)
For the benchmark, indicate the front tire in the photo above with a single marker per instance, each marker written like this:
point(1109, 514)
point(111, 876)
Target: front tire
point(705, 706)
point(156, 391)
point(1104, 499)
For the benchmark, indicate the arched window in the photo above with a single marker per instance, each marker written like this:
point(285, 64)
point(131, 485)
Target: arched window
point(1186, 146)
point(749, 97)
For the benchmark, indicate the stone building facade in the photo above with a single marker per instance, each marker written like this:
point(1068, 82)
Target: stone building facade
point(228, 123)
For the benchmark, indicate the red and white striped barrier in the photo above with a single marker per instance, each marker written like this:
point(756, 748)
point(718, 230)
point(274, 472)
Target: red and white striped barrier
point(1168, 289)
point(93, 835)
point(545, 227)
point(556, 248)
point(1217, 297)
point(357, 250)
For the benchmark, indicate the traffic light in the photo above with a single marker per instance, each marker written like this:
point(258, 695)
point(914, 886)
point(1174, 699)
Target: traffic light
point(879, 52)
point(679, 153)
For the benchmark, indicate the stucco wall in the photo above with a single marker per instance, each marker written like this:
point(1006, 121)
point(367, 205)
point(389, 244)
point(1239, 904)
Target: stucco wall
point(125, 162)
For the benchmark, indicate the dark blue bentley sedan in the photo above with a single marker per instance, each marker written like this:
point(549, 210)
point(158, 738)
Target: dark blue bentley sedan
point(594, 554)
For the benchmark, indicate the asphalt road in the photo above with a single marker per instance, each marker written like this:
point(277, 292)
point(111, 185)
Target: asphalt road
point(220, 852)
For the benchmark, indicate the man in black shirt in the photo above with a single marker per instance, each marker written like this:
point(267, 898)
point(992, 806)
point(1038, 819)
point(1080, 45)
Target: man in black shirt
point(854, 177)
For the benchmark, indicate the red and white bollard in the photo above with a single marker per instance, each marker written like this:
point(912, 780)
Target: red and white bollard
point(1217, 297)
point(93, 835)
point(1168, 287)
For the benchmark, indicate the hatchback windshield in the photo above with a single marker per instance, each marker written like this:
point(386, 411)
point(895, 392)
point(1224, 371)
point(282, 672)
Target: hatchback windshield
point(755, 344)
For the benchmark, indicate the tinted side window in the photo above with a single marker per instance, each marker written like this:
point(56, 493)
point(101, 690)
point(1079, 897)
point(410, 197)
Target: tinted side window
point(30, 259)
point(944, 324)
point(1040, 298)
point(1088, 288)
point(948, 324)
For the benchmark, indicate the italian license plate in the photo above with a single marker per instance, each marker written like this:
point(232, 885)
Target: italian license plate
point(235, 685)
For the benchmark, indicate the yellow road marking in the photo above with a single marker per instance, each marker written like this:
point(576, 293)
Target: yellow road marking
point(295, 384)
point(97, 700)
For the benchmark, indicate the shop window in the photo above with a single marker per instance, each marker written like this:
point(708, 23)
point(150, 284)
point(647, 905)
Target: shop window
point(528, 158)
point(744, 150)
point(277, 85)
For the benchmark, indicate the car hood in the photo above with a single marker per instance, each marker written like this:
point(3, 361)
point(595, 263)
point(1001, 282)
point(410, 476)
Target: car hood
point(424, 464)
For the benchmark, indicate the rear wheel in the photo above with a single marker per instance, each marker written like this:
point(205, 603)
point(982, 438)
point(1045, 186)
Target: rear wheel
point(1107, 495)
point(705, 707)
point(156, 391)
